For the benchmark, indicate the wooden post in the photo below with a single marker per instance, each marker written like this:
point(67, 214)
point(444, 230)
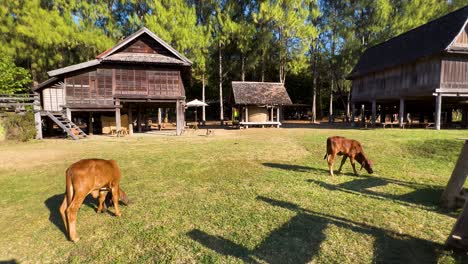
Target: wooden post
point(130, 120)
point(68, 114)
point(159, 117)
point(438, 111)
point(90, 123)
point(374, 112)
point(37, 115)
point(139, 118)
point(363, 113)
point(118, 124)
point(272, 117)
point(457, 180)
point(246, 115)
point(401, 114)
point(458, 238)
point(180, 117)
point(278, 115)
point(353, 114)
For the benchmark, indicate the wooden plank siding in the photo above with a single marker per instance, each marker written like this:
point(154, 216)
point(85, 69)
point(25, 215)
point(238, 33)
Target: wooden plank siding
point(455, 72)
point(53, 98)
point(100, 86)
point(145, 44)
point(462, 39)
point(416, 79)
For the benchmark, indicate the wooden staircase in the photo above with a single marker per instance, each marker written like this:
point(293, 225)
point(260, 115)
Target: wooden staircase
point(67, 125)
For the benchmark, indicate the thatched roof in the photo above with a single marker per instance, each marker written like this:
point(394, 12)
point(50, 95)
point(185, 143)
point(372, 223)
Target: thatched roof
point(260, 93)
point(427, 40)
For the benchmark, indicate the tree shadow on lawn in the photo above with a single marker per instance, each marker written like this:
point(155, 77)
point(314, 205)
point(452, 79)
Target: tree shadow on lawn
point(299, 240)
point(53, 204)
point(423, 195)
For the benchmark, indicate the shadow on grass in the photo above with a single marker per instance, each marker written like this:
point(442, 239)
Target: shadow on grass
point(299, 240)
point(423, 194)
point(12, 261)
point(53, 204)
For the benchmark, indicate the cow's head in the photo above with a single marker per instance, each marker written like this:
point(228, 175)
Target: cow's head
point(367, 164)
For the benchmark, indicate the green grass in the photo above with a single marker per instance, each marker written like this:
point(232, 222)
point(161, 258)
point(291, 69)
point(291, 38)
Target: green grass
point(257, 195)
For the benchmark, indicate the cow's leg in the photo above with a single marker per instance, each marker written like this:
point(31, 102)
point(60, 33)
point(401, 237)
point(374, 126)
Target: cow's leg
point(115, 199)
point(72, 212)
point(102, 198)
point(354, 166)
point(342, 163)
point(62, 210)
point(331, 159)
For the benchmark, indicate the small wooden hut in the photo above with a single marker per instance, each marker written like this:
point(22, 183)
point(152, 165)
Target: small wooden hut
point(259, 103)
point(415, 71)
point(141, 72)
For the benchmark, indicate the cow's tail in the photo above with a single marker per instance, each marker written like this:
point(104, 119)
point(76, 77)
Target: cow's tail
point(68, 186)
point(328, 148)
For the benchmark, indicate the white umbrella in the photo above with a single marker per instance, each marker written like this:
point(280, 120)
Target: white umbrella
point(195, 103)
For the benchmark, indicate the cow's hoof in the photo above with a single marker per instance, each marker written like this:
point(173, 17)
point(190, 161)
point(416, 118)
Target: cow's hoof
point(118, 214)
point(74, 240)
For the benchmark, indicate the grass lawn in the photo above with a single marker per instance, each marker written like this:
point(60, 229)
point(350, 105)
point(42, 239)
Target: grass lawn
point(256, 195)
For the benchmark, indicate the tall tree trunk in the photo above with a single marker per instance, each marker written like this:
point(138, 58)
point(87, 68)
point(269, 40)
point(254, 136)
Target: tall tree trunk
point(263, 65)
point(203, 99)
point(330, 116)
point(348, 112)
point(320, 103)
point(221, 110)
point(242, 67)
point(314, 99)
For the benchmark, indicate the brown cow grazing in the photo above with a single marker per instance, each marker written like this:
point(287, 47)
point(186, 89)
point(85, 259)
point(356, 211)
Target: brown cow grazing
point(348, 148)
point(85, 177)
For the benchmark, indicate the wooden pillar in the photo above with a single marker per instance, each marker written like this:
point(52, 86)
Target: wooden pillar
point(458, 238)
point(246, 115)
point(401, 113)
point(278, 115)
point(457, 180)
point(37, 115)
point(363, 113)
point(118, 123)
point(180, 117)
point(90, 124)
point(159, 116)
point(130, 120)
point(272, 114)
point(68, 114)
point(438, 111)
point(139, 118)
point(374, 112)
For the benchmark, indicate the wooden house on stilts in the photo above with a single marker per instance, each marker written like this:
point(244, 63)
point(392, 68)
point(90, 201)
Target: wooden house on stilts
point(141, 72)
point(420, 75)
point(259, 103)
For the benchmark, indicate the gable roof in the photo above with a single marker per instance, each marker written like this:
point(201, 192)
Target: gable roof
point(135, 35)
point(111, 55)
point(260, 93)
point(434, 37)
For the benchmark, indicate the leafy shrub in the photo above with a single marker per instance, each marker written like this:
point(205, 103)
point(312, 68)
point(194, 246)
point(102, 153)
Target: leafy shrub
point(19, 127)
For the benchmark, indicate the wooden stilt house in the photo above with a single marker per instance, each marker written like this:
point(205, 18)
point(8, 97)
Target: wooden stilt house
point(139, 73)
point(259, 103)
point(422, 74)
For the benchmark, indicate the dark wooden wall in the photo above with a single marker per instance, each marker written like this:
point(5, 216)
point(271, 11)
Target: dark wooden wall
point(455, 72)
point(100, 86)
point(411, 80)
point(145, 44)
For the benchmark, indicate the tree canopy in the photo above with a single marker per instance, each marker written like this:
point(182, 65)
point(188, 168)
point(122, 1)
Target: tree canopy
point(311, 45)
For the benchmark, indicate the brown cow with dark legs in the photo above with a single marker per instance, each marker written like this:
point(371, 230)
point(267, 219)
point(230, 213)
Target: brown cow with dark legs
point(85, 177)
point(347, 148)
